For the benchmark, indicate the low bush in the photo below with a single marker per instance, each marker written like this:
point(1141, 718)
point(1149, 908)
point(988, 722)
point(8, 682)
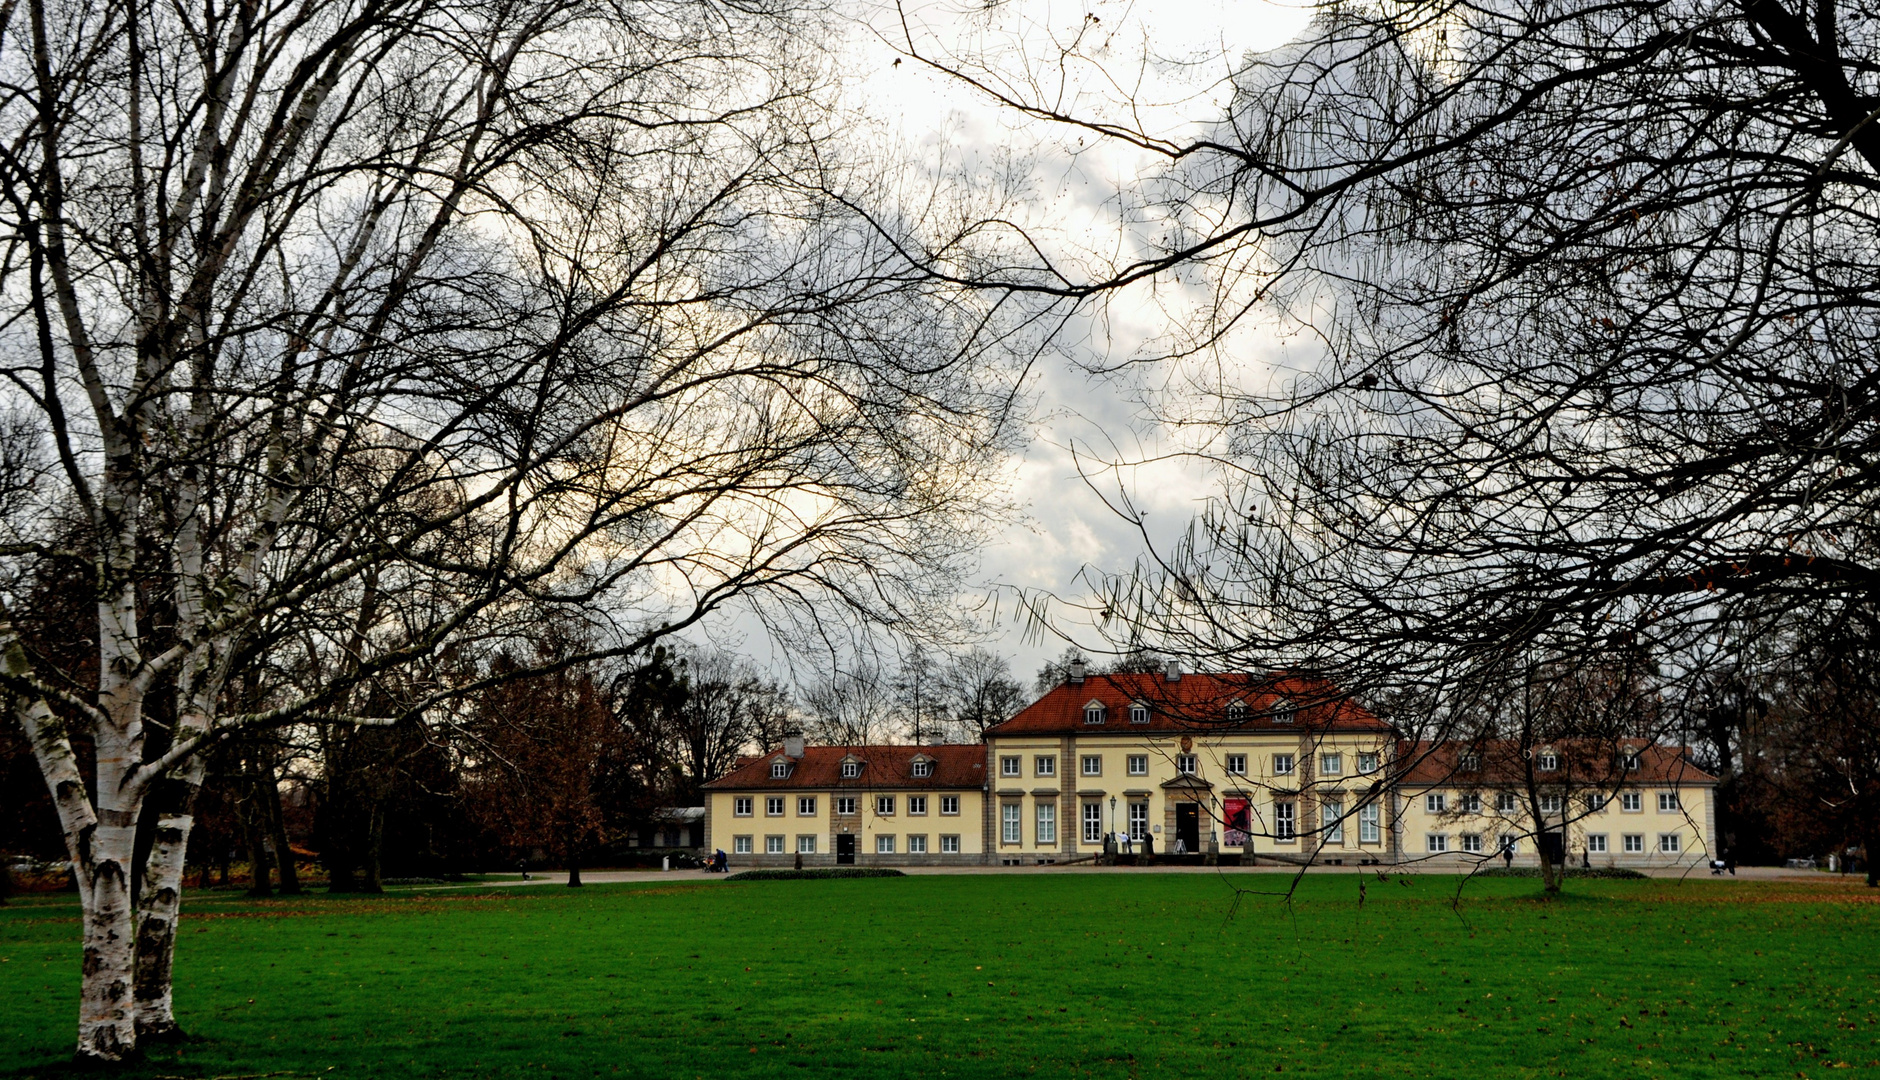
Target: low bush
point(1612, 872)
point(827, 872)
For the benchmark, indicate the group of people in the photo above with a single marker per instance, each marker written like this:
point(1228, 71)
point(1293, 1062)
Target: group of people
point(1123, 843)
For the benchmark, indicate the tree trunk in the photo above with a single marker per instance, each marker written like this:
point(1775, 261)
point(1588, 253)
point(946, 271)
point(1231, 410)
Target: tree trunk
point(158, 910)
point(375, 839)
point(277, 826)
point(1870, 840)
point(255, 835)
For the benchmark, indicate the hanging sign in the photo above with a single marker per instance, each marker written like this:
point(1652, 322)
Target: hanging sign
point(1235, 812)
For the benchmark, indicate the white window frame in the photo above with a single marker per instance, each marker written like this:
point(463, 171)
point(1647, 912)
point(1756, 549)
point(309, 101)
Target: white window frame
point(1044, 765)
point(1435, 843)
point(1138, 764)
point(851, 770)
point(1285, 712)
point(1138, 820)
point(1093, 821)
point(779, 770)
point(1283, 764)
point(1285, 821)
point(1011, 820)
point(1670, 843)
point(1631, 802)
point(884, 806)
point(1596, 843)
point(917, 844)
point(773, 806)
point(1370, 825)
point(1094, 714)
point(773, 845)
point(1332, 820)
point(1668, 802)
point(949, 805)
point(1236, 712)
point(1236, 764)
point(1435, 802)
point(741, 806)
point(806, 844)
point(741, 845)
point(1331, 764)
point(806, 806)
point(1634, 843)
point(1044, 822)
point(1507, 842)
point(845, 805)
point(1551, 804)
point(1505, 802)
point(917, 804)
point(1092, 764)
point(1139, 713)
point(1631, 763)
point(1469, 804)
point(1469, 763)
point(949, 845)
point(1547, 763)
point(1013, 765)
point(884, 843)
point(922, 770)
point(1367, 763)
point(1471, 843)
point(1187, 764)
point(1595, 803)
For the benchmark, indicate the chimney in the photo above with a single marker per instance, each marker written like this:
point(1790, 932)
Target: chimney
point(793, 742)
point(1077, 671)
point(1172, 671)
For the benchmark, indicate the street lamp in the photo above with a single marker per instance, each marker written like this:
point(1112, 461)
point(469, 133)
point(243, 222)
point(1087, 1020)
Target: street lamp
point(1113, 825)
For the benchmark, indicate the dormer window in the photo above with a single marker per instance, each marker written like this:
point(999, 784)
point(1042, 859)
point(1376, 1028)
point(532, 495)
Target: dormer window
point(1094, 713)
point(1139, 713)
point(1284, 711)
point(851, 770)
point(1471, 763)
point(1631, 763)
point(1236, 712)
point(779, 770)
point(923, 768)
point(1548, 762)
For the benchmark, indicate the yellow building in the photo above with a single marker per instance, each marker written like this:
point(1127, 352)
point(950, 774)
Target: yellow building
point(851, 805)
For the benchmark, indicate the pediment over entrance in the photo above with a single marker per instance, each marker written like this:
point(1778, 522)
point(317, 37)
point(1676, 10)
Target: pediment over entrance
point(1187, 783)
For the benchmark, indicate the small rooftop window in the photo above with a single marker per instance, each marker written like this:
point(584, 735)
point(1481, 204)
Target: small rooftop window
point(1237, 712)
point(851, 770)
point(779, 770)
point(1094, 713)
point(1139, 713)
point(923, 768)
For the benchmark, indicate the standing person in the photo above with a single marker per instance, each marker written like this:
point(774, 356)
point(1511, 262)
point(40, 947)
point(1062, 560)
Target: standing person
point(1729, 860)
point(1586, 858)
point(1507, 854)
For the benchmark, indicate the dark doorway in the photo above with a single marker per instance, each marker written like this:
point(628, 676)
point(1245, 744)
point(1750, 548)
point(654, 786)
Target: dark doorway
point(845, 849)
point(1188, 827)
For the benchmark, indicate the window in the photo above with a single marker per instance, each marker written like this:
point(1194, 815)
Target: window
point(1634, 842)
point(1047, 823)
point(1008, 766)
point(740, 845)
point(1044, 765)
point(1236, 712)
point(949, 845)
point(1331, 764)
point(1547, 762)
point(1469, 803)
point(1472, 843)
point(1138, 764)
point(851, 770)
point(1236, 764)
point(779, 770)
point(1332, 820)
point(917, 804)
point(1093, 713)
point(884, 805)
point(1436, 803)
point(1504, 802)
point(949, 804)
point(1138, 820)
point(1093, 823)
point(1595, 803)
point(806, 845)
point(773, 806)
point(1470, 763)
point(923, 769)
point(1139, 713)
point(1631, 802)
point(773, 845)
point(1093, 765)
point(1285, 825)
point(1009, 823)
point(1667, 801)
point(845, 804)
point(1668, 843)
point(1284, 713)
point(1369, 832)
point(917, 845)
point(1185, 764)
point(1631, 763)
point(1596, 843)
point(1550, 804)
point(884, 845)
point(1436, 843)
point(1282, 764)
point(1367, 763)
point(1508, 842)
point(741, 806)
point(806, 806)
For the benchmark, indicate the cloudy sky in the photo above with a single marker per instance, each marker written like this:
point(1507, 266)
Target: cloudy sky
point(1170, 61)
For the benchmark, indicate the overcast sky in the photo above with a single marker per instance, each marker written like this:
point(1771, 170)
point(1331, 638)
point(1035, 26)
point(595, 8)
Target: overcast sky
point(1172, 59)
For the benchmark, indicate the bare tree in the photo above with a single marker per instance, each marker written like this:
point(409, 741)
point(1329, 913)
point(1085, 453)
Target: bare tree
point(980, 692)
point(730, 709)
point(561, 302)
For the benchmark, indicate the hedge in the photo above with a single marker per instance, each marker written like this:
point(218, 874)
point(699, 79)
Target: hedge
point(801, 875)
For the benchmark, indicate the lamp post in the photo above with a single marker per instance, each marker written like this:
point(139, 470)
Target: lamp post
point(1113, 843)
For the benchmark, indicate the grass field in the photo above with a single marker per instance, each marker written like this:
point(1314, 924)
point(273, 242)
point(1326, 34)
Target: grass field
point(1025, 975)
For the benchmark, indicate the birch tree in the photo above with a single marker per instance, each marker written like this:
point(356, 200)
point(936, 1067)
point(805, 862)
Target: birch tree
point(484, 306)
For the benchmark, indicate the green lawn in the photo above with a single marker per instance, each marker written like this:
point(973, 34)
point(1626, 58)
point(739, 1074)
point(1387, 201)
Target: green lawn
point(1033, 975)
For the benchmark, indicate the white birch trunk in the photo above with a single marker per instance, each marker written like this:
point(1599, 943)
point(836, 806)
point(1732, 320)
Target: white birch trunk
point(159, 907)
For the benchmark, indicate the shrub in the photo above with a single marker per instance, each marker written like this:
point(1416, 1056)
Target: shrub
point(1618, 872)
point(801, 875)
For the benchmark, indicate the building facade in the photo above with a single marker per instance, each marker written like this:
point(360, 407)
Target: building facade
point(1226, 767)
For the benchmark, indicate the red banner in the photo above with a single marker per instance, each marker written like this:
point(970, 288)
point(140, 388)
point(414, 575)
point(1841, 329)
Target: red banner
point(1234, 821)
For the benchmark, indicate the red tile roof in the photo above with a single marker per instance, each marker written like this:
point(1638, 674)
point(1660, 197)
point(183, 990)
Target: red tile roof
point(1582, 763)
point(1192, 703)
point(820, 767)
